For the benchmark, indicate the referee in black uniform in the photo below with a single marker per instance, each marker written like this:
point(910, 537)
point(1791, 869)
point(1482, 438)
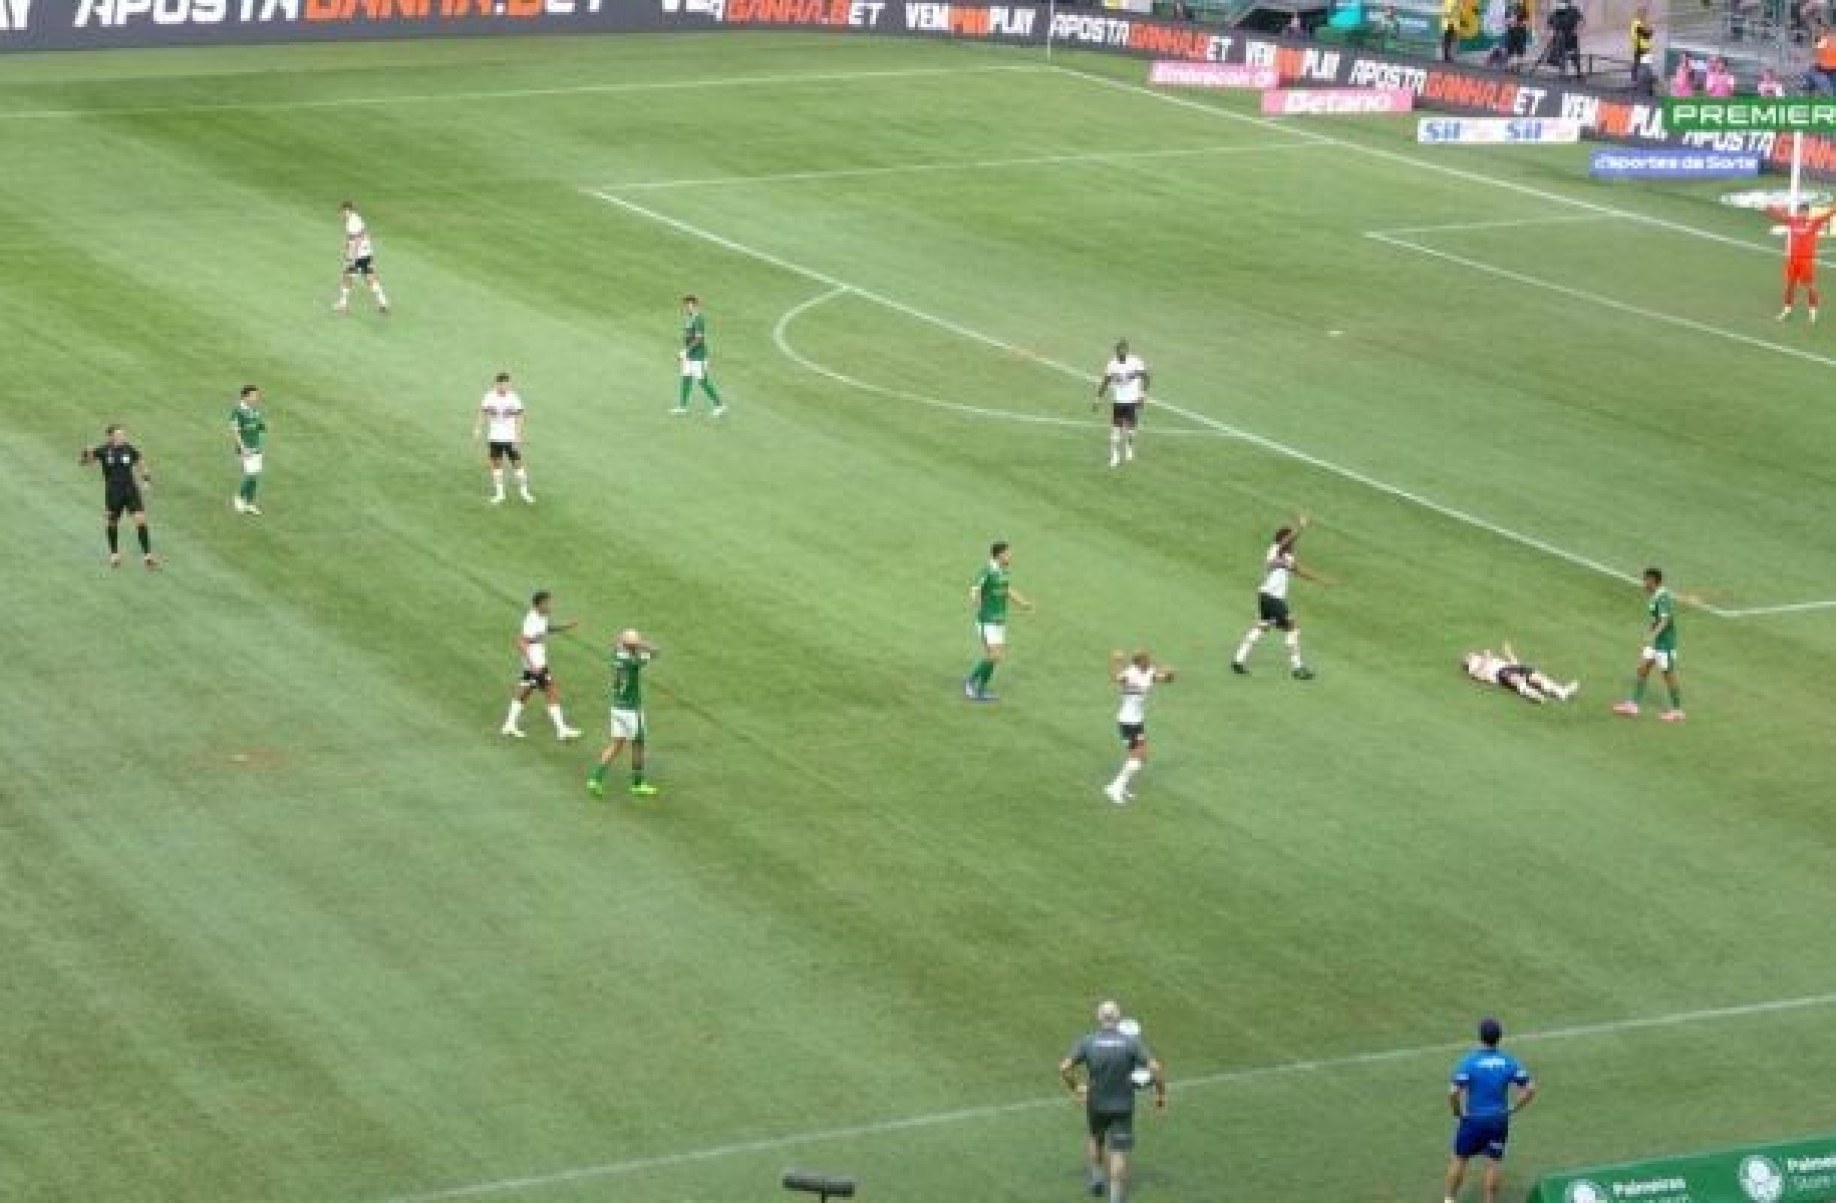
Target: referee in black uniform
point(124, 471)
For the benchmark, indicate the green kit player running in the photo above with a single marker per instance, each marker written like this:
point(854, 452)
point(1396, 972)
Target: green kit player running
point(991, 594)
point(1660, 650)
point(630, 655)
point(694, 358)
point(249, 427)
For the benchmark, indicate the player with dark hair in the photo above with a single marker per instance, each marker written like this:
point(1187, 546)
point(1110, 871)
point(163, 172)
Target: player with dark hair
point(1125, 383)
point(1660, 649)
point(500, 420)
point(991, 594)
point(1801, 228)
point(693, 359)
point(1135, 676)
point(359, 261)
point(1278, 566)
point(124, 474)
point(1481, 1098)
point(532, 646)
point(249, 430)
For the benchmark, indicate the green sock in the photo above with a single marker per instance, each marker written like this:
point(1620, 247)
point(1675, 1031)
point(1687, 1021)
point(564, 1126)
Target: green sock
point(1676, 697)
point(637, 776)
point(246, 490)
point(707, 386)
point(688, 383)
point(984, 669)
point(1638, 689)
point(253, 485)
point(598, 773)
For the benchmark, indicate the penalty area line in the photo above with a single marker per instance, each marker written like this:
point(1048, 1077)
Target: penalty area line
point(938, 1119)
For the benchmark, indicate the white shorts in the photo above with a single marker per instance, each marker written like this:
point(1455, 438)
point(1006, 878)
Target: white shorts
point(1665, 661)
point(251, 463)
point(627, 724)
point(994, 634)
point(694, 369)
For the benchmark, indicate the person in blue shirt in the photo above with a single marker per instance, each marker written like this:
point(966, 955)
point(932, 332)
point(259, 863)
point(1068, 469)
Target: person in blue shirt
point(1487, 1089)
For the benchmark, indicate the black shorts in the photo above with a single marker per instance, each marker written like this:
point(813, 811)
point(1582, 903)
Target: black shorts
point(536, 678)
point(1512, 675)
point(1115, 1130)
point(1517, 42)
point(506, 451)
point(1125, 415)
point(1273, 612)
point(1133, 734)
point(122, 501)
point(365, 266)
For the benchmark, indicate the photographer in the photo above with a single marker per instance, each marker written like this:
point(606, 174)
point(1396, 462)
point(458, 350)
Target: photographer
point(1565, 21)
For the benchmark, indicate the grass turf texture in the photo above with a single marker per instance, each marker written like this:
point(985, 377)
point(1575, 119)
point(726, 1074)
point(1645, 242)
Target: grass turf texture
point(286, 921)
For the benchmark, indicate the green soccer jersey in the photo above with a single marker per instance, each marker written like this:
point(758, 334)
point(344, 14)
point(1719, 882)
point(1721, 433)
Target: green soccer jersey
point(695, 336)
point(991, 594)
point(251, 426)
point(628, 678)
point(1661, 607)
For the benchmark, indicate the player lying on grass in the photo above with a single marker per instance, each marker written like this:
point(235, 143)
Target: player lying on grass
point(1510, 672)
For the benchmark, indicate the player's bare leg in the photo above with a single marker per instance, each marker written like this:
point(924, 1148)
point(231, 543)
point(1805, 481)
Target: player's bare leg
point(1239, 663)
point(497, 480)
point(1811, 291)
point(376, 290)
point(1118, 1176)
point(1791, 297)
point(1675, 713)
point(1494, 1177)
point(1629, 707)
point(1456, 1177)
point(596, 780)
point(343, 303)
point(1093, 1159)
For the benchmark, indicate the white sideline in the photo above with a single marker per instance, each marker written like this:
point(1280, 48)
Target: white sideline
point(1454, 227)
point(850, 173)
point(780, 335)
point(656, 85)
point(773, 1144)
point(1594, 298)
point(1266, 444)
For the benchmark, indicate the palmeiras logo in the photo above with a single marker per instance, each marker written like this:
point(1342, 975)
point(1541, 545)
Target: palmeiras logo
point(1585, 1192)
point(1761, 1180)
point(15, 15)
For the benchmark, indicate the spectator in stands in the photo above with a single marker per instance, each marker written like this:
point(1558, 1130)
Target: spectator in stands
point(1641, 36)
point(1387, 28)
point(1183, 11)
point(1565, 21)
point(1295, 28)
point(1517, 33)
point(1450, 29)
point(1682, 83)
point(1822, 77)
point(1719, 82)
point(1769, 83)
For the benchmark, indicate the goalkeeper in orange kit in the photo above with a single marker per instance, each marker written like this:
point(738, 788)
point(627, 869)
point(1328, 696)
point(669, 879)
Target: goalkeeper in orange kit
point(1801, 228)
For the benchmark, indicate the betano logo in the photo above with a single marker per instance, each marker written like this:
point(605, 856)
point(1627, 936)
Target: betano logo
point(1749, 116)
point(15, 15)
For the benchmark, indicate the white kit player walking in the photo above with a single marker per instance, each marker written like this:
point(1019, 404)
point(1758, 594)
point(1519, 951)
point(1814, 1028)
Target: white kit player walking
point(1135, 676)
point(359, 260)
point(500, 421)
point(1279, 566)
point(1125, 381)
point(532, 645)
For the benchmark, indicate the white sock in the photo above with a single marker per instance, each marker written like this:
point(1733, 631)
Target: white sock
point(1128, 445)
point(1115, 444)
point(497, 481)
point(522, 479)
point(516, 712)
point(1130, 767)
point(344, 296)
point(1294, 656)
point(1248, 644)
point(382, 299)
point(554, 715)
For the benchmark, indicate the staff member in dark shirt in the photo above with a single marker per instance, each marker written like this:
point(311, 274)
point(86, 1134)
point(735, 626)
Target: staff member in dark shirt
point(1110, 1058)
point(124, 474)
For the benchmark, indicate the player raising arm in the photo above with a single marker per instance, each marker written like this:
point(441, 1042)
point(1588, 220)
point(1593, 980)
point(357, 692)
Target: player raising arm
point(1135, 676)
point(1510, 672)
point(124, 474)
point(1801, 227)
point(1278, 566)
point(532, 646)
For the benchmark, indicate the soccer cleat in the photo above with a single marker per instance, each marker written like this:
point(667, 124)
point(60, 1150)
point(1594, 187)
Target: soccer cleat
point(1301, 672)
point(596, 786)
point(1238, 667)
point(678, 411)
point(496, 499)
point(114, 559)
point(643, 789)
point(528, 497)
point(152, 563)
point(982, 695)
point(1114, 462)
point(251, 509)
point(1097, 1187)
point(1115, 795)
point(511, 731)
point(720, 411)
point(566, 734)
point(1570, 690)
point(1672, 716)
point(969, 688)
point(1629, 709)
point(340, 308)
point(383, 309)
point(238, 504)
point(1785, 314)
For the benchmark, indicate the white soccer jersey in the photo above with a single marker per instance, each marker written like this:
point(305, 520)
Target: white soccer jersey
point(1135, 682)
point(1278, 566)
point(501, 411)
point(356, 237)
point(1484, 667)
point(1127, 379)
point(535, 635)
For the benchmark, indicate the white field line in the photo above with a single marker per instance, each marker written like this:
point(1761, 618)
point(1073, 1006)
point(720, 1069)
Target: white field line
point(1594, 298)
point(1199, 419)
point(1787, 608)
point(780, 335)
point(658, 85)
point(938, 1119)
point(1420, 164)
point(851, 173)
point(1510, 224)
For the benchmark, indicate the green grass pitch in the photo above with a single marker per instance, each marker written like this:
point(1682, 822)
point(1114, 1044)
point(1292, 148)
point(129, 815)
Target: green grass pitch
point(286, 921)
